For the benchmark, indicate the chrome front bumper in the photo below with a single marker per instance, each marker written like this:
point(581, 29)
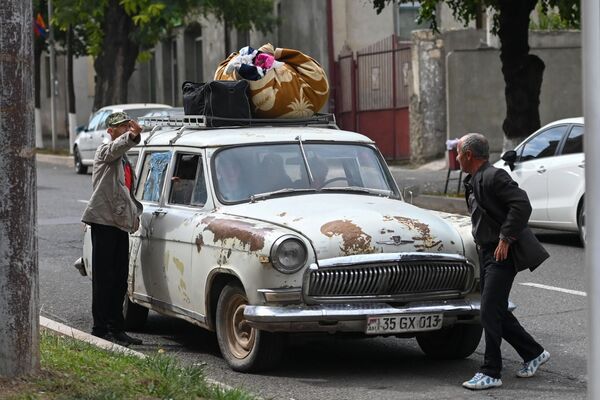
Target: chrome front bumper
point(352, 317)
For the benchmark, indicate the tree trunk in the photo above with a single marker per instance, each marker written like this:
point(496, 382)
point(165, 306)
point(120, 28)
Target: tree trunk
point(115, 64)
point(70, 84)
point(523, 72)
point(227, 37)
point(38, 47)
point(19, 310)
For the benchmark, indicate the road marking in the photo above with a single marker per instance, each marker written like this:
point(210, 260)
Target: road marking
point(83, 201)
point(556, 289)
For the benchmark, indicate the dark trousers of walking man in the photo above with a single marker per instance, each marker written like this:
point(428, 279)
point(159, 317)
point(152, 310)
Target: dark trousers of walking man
point(498, 322)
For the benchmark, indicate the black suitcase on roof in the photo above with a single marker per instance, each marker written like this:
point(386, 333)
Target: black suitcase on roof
point(223, 103)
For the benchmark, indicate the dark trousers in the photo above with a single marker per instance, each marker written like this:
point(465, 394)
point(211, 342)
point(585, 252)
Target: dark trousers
point(499, 323)
point(110, 266)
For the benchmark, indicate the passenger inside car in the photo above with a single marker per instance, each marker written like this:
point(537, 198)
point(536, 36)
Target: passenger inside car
point(275, 176)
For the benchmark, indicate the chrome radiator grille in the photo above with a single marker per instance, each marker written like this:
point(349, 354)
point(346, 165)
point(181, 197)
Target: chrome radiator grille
point(400, 279)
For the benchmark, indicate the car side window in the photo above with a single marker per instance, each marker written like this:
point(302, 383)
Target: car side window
point(543, 144)
point(152, 176)
point(574, 142)
point(187, 184)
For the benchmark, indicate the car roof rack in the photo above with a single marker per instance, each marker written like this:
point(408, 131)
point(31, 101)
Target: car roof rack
point(206, 122)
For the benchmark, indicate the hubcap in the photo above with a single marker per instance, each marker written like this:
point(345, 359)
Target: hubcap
point(240, 335)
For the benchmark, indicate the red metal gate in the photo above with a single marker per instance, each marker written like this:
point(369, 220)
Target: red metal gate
point(372, 95)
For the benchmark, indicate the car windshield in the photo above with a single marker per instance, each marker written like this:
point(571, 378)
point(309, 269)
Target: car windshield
point(253, 172)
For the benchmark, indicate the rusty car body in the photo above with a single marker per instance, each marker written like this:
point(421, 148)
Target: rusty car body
point(313, 236)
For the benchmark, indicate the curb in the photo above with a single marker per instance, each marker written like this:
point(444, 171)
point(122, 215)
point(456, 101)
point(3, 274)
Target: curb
point(441, 203)
point(66, 330)
point(53, 159)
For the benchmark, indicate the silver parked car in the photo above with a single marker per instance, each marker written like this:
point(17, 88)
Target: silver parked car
point(292, 226)
point(94, 133)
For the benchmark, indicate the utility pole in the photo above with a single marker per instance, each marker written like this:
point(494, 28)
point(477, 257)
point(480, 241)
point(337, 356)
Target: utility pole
point(19, 312)
point(53, 81)
point(590, 13)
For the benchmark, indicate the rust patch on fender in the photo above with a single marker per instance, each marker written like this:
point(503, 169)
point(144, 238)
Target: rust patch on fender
point(199, 242)
point(247, 233)
point(355, 241)
point(423, 229)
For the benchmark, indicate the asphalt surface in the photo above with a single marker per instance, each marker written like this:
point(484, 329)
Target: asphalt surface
point(335, 367)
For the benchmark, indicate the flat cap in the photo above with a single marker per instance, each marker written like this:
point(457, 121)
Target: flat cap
point(117, 118)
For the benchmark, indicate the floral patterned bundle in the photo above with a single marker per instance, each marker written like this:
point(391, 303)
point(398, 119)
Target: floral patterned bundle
point(298, 88)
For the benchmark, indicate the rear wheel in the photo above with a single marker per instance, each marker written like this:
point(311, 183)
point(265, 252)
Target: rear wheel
point(79, 167)
point(458, 341)
point(134, 314)
point(244, 348)
point(581, 223)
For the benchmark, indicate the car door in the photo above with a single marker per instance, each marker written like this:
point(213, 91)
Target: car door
point(99, 135)
point(566, 180)
point(173, 230)
point(531, 168)
point(149, 279)
point(87, 147)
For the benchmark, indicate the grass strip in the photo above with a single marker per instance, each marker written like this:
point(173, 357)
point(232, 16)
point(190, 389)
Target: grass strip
point(77, 370)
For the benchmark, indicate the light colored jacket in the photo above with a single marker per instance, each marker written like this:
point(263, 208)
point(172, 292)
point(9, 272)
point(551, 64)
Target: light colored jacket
point(111, 202)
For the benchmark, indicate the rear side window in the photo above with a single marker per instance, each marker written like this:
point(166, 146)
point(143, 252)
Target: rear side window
point(152, 176)
point(188, 186)
point(543, 144)
point(574, 142)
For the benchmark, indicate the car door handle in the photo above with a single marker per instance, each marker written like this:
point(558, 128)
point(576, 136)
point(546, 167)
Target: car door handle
point(581, 164)
point(159, 212)
point(541, 170)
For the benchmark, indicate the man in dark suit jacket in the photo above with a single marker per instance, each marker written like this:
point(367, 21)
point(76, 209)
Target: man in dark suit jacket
point(499, 212)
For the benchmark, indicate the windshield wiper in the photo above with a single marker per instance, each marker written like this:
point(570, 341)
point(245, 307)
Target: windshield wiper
point(260, 196)
point(359, 189)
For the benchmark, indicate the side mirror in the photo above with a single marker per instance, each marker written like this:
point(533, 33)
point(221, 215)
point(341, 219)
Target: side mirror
point(509, 158)
point(410, 192)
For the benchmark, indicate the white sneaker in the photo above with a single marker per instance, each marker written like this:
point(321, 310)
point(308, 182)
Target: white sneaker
point(530, 367)
point(481, 381)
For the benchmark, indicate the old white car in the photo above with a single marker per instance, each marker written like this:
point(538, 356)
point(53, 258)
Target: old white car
point(292, 226)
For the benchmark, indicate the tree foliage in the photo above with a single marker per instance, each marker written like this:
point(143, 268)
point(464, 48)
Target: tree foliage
point(468, 10)
point(130, 28)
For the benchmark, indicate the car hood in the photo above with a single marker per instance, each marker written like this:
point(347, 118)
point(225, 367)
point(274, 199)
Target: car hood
point(346, 224)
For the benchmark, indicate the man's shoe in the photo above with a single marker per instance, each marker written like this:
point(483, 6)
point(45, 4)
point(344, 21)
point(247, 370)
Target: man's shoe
point(530, 367)
point(125, 338)
point(481, 381)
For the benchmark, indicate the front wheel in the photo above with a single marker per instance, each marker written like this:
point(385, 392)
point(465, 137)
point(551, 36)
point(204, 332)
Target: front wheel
point(245, 348)
point(458, 341)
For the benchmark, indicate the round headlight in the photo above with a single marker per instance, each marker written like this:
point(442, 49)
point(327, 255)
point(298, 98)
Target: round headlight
point(288, 254)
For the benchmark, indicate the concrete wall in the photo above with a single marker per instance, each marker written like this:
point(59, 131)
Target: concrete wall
point(427, 97)
point(475, 86)
point(356, 25)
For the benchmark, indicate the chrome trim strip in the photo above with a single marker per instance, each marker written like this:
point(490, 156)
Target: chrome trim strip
point(387, 258)
point(188, 315)
point(282, 295)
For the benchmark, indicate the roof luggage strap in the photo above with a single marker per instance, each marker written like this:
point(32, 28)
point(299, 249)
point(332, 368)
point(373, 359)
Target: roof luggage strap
point(204, 122)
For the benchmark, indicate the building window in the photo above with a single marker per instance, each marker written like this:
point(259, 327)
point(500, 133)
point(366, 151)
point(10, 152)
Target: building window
point(48, 77)
point(406, 20)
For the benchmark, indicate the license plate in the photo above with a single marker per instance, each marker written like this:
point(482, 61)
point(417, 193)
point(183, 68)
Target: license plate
point(403, 323)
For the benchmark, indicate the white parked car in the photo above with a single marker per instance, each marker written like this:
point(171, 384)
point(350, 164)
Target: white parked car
point(257, 231)
point(94, 133)
point(550, 166)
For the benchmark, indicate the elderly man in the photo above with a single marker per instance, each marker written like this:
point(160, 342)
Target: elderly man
point(499, 213)
point(113, 213)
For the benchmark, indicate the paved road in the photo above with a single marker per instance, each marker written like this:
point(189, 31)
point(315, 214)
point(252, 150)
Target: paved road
point(333, 367)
